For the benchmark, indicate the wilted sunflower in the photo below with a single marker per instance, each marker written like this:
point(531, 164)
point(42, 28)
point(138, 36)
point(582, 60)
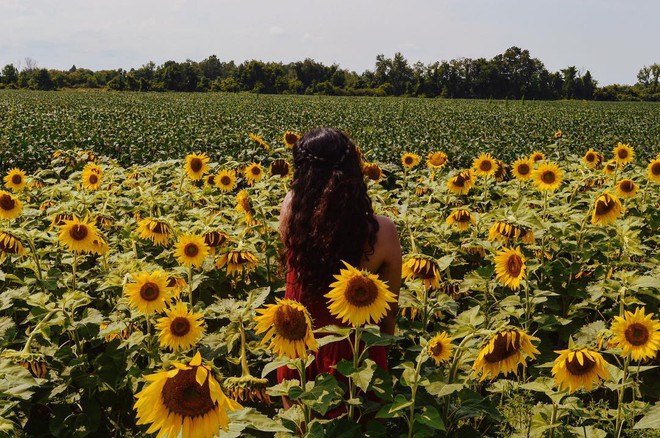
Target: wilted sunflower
point(461, 219)
point(290, 138)
point(15, 180)
point(280, 167)
point(209, 180)
point(623, 153)
point(10, 244)
point(247, 389)
point(92, 176)
point(288, 327)
point(177, 285)
point(243, 203)
point(359, 297)
point(607, 209)
point(440, 348)
point(423, 268)
point(372, 171)
point(537, 156)
point(504, 232)
point(237, 262)
point(547, 176)
point(461, 183)
point(197, 166)
point(253, 173)
point(592, 158)
point(503, 352)
point(577, 368)
point(149, 292)
point(180, 329)
point(626, 188)
point(156, 230)
point(611, 167)
point(215, 239)
point(510, 267)
point(522, 169)
point(637, 334)
point(190, 250)
point(10, 206)
point(260, 141)
point(225, 180)
point(484, 165)
point(436, 160)
point(410, 160)
point(79, 235)
point(654, 170)
point(501, 172)
point(185, 401)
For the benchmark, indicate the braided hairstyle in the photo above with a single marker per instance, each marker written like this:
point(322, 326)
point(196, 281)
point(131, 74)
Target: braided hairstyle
point(331, 218)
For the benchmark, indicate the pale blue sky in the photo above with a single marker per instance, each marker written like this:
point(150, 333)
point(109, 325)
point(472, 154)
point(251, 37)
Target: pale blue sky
point(612, 38)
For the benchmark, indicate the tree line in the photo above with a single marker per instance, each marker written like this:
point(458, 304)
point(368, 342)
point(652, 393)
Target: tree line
point(513, 74)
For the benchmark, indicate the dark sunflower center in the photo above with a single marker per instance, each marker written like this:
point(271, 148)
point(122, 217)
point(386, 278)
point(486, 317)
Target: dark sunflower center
point(425, 270)
point(575, 368)
point(210, 179)
point(486, 165)
point(149, 291)
point(180, 326)
point(548, 177)
point(17, 179)
point(93, 179)
point(603, 207)
point(437, 349)
point(590, 157)
point(361, 291)
point(502, 348)
point(523, 169)
point(409, 160)
point(158, 228)
point(655, 168)
point(537, 157)
point(214, 239)
point(184, 396)
point(78, 232)
point(622, 153)
point(171, 281)
point(611, 167)
point(459, 180)
point(256, 170)
point(514, 265)
point(290, 323)
point(291, 138)
point(637, 334)
point(191, 250)
point(463, 216)
point(196, 164)
point(225, 180)
point(7, 202)
point(627, 186)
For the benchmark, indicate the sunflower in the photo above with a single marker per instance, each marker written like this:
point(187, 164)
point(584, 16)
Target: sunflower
point(410, 160)
point(215, 239)
point(638, 335)
point(503, 352)
point(247, 388)
point(440, 348)
point(626, 188)
point(290, 139)
point(280, 167)
point(243, 203)
point(558, 134)
point(197, 166)
point(522, 169)
point(577, 368)
point(180, 329)
point(191, 250)
point(484, 165)
point(149, 292)
point(461, 219)
point(423, 268)
point(209, 180)
point(547, 176)
point(510, 267)
point(156, 230)
point(359, 297)
point(623, 153)
point(253, 172)
point(225, 180)
point(260, 141)
point(10, 206)
point(372, 171)
point(237, 262)
point(501, 172)
point(504, 232)
point(288, 327)
point(654, 170)
point(611, 167)
point(436, 160)
point(185, 401)
point(10, 244)
point(607, 209)
point(537, 156)
point(177, 285)
point(592, 158)
point(461, 183)
point(92, 175)
point(15, 180)
point(79, 235)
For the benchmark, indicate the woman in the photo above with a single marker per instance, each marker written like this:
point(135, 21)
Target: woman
point(327, 217)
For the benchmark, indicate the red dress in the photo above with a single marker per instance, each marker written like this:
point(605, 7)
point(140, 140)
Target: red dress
point(328, 355)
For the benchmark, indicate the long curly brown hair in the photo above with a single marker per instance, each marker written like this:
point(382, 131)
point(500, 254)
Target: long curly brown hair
point(331, 218)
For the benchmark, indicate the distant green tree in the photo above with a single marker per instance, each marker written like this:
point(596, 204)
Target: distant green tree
point(9, 75)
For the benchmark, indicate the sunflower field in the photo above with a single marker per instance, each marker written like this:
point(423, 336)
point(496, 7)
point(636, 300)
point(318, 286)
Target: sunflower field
point(145, 298)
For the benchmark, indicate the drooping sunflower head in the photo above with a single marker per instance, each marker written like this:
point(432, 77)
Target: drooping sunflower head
point(290, 138)
point(197, 166)
point(611, 167)
point(15, 180)
point(548, 176)
point(654, 170)
point(637, 334)
point(92, 176)
point(148, 293)
point(505, 232)
point(484, 165)
point(216, 239)
point(280, 167)
point(440, 348)
point(184, 401)
point(243, 203)
point(359, 297)
point(423, 268)
point(503, 352)
point(626, 188)
point(260, 141)
point(177, 285)
point(502, 171)
point(623, 153)
point(180, 329)
point(288, 327)
point(510, 267)
point(10, 206)
point(436, 160)
point(225, 180)
point(577, 368)
point(592, 159)
point(247, 389)
point(237, 262)
point(10, 244)
point(607, 209)
point(372, 171)
point(522, 169)
point(209, 180)
point(461, 219)
point(461, 183)
point(537, 156)
point(253, 173)
point(190, 250)
point(410, 160)
point(156, 230)
point(79, 235)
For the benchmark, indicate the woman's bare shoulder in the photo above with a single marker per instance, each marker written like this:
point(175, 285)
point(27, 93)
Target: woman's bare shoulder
point(388, 235)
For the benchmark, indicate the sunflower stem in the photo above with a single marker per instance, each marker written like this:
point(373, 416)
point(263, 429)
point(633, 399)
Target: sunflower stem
point(28, 342)
point(351, 384)
point(245, 370)
point(35, 257)
point(415, 384)
point(74, 272)
point(190, 286)
point(553, 419)
point(302, 371)
point(619, 420)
